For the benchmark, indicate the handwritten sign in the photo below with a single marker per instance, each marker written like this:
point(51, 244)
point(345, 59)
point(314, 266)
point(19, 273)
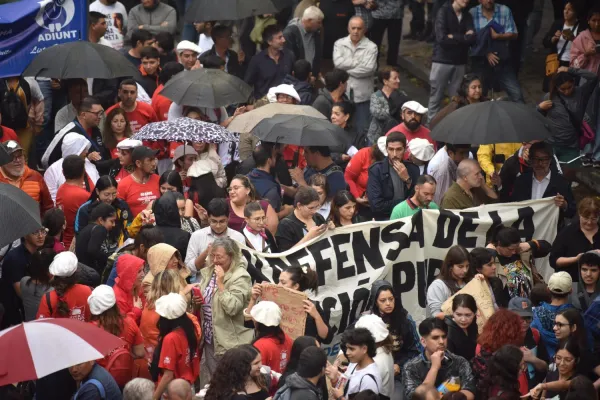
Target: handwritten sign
point(293, 316)
point(483, 297)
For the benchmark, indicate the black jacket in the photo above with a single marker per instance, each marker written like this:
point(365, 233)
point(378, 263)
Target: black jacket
point(461, 343)
point(233, 63)
point(168, 222)
point(453, 50)
point(558, 184)
point(512, 168)
point(294, 42)
point(380, 189)
point(291, 230)
point(558, 26)
point(305, 90)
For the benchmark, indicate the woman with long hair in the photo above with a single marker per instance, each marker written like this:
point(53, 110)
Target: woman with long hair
point(319, 183)
point(272, 342)
point(37, 283)
point(502, 378)
point(564, 107)
point(384, 303)
point(241, 192)
point(68, 299)
point(344, 209)
point(303, 279)
point(116, 129)
point(341, 115)
point(55, 222)
point(176, 355)
point(105, 191)
point(565, 367)
point(93, 243)
point(462, 326)
point(470, 92)
point(160, 257)
point(384, 344)
point(106, 315)
point(454, 275)
point(483, 262)
point(238, 376)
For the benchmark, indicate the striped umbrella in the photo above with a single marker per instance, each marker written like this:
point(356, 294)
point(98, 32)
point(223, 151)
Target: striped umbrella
point(38, 348)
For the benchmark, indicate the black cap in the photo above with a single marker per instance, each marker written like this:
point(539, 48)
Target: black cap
point(142, 152)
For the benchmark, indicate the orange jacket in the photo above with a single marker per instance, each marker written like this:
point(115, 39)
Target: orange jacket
point(160, 104)
point(32, 183)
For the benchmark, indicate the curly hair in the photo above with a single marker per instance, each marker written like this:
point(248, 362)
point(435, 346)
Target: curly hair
point(110, 320)
point(504, 327)
point(231, 374)
point(62, 284)
point(503, 370)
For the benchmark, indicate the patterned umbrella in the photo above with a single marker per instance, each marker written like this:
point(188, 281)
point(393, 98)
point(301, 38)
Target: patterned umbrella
point(186, 130)
point(38, 348)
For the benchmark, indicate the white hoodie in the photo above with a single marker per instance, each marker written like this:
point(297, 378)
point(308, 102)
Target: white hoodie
point(73, 144)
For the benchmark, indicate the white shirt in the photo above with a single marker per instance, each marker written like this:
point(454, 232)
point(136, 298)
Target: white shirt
point(439, 158)
point(116, 22)
point(205, 43)
point(359, 379)
point(566, 56)
point(200, 240)
point(385, 365)
point(257, 241)
point(539, 187)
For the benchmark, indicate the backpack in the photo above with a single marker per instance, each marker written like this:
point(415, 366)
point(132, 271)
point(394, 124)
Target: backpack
point(14, 112)
point(120, 365)
point(96, 383)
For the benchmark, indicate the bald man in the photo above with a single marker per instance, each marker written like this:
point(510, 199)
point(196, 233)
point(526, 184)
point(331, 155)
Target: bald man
point(179, 389)
point(470, 189)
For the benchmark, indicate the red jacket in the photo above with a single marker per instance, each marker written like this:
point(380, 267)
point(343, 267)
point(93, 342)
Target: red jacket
point(128, 267)
point(357, 172)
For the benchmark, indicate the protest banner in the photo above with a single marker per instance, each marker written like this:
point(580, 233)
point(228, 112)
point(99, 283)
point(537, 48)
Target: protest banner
point(407, 252)
point(483, 297)
point(293, 317)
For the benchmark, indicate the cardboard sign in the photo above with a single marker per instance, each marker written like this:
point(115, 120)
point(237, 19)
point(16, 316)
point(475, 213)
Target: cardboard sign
point(293, 316)
point(483, 297)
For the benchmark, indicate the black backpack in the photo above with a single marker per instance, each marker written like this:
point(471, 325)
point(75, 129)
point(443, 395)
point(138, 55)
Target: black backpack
point(14, 112)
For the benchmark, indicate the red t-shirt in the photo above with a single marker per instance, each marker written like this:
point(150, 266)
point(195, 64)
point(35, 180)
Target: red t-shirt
point(138, 195)
point(76, 298)
point(422, 133)
point(8, 134)
point(274, 354)
point(142, 114)
point(69, 198)
point(160, 104)
point(122, 174)
point(175, 356)
point(130, 335)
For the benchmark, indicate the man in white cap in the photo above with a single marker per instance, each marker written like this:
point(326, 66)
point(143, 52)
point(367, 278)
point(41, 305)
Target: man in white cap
point(412, 128)
point(421, 151)
point(560, 286)
point(188, 53)
point(422, 199)
point(125, 165)
point(283, 94)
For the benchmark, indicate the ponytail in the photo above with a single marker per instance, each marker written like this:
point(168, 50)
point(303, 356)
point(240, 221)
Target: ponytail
point(305, 277)
point(61, 287)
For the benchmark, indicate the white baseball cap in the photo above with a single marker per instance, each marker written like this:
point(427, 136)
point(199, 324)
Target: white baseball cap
point(414, 106)
point(560, 283)
point(267, 313)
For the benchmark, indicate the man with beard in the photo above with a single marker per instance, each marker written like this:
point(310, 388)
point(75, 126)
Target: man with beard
point(138, 113)
point(469, 190)
point(412, 115)
point(392, 179)
point(153, 16)
point(141, 187)
point(422, 199)
point(89, 115)
point(116, 20)
point(18, 174)
point(437, 366)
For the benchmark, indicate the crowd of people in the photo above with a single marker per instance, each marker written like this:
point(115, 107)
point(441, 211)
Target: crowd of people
point(143, 238)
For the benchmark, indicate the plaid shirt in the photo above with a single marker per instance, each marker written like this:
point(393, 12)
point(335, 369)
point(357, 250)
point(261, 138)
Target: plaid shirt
point(502, 16)
point(361, 11)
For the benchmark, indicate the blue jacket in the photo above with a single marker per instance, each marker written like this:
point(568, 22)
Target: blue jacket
point(543, 321)
point(267, 187)
point(380, 189)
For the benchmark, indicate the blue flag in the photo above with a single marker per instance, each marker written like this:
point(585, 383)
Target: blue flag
point(27, 27)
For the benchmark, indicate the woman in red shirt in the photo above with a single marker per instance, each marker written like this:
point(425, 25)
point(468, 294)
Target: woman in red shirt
point(68, 299)
point(357, 171)
point(106, 315)
point(176, 355)
point(274, 345)
point(116, 129)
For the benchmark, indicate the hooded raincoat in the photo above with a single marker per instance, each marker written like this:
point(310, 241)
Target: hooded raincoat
point(168, 221)
point(158, 258)
point(128, 267)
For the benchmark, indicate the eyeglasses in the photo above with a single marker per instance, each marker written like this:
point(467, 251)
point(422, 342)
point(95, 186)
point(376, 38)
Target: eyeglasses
point(41, 232)
point(98, 114)
point(560, 325)
point(590, 219)
point(18, 156)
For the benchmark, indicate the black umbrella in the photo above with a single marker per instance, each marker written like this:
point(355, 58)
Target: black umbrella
point(492, 122)
point(229, 10)
point(301, 130)
point(80, 60)
point(19, 214)
point(206, 88)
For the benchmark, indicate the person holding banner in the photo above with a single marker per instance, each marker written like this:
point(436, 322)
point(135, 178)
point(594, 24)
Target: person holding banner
point(344, 209)
point(454, 275)
point(274, 344)
point(301, 279)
